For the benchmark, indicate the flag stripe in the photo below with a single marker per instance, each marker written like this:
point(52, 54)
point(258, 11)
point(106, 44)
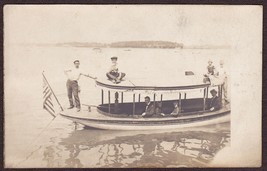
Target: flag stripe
point(46, 88)
point(47, 94)
point(50, 101)
point(46, 98)
point(49, 108)
point(52, 113)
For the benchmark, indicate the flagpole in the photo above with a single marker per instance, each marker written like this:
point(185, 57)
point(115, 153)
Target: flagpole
point(52, 91)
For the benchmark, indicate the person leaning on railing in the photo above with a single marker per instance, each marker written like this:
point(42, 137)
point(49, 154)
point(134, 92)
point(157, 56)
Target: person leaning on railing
point(74, 75)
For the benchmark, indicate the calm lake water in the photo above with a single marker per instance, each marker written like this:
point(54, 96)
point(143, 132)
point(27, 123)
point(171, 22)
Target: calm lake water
point(31, 142)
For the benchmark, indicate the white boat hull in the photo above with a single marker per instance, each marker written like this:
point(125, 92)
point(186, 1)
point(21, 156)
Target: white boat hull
point(145, 124)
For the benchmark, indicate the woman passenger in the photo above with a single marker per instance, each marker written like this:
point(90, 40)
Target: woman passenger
point(176, 110)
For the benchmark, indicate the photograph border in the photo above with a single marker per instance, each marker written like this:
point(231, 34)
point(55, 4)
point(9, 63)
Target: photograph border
point(158, 2)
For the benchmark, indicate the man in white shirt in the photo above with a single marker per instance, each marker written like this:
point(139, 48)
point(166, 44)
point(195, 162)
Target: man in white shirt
point(222, 76)
point(72, 84)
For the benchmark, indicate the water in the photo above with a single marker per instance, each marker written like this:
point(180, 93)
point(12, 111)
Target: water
point(28, 143)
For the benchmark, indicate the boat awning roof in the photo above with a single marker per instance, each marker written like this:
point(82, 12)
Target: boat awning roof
point(185, 83)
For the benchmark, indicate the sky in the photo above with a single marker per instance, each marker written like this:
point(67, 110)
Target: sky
point(190, 25)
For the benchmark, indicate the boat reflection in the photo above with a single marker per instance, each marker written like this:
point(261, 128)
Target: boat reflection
point(94, 148)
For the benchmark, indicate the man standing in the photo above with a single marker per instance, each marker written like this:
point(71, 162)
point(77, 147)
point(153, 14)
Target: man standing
point(150, 108)
point(222, 75)
point(72, 84)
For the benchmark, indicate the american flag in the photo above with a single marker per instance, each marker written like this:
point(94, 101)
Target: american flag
point(48, 103)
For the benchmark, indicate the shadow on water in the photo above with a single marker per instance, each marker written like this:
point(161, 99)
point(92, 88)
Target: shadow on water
point(95, 148)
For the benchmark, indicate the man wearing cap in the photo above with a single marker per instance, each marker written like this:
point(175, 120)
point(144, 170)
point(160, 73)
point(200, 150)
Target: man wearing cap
point(72, 84)
point(215, 103)
point(113, 74)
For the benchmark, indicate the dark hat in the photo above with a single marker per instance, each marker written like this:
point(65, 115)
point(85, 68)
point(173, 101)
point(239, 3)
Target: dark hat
point(147, 97)
point(114, 57)
point(213, 91)
point(76, 61)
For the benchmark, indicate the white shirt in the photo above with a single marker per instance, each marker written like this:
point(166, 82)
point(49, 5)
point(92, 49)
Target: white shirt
point(147, 105)
point(222, 73)
point(114, 67)
point(74, 74)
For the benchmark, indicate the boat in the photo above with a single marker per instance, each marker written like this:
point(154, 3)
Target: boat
point(120, 115)
point(98, 50)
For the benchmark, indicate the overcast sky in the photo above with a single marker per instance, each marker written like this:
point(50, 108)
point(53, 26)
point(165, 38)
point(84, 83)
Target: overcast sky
point(191, 25)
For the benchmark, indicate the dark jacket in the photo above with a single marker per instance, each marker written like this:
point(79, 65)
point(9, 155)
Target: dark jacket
point(215, 102)
point(150, 110)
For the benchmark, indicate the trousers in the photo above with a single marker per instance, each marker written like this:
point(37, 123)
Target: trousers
point(73, 91)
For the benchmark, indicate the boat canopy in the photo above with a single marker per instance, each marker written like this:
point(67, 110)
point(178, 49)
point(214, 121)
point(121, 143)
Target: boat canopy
point(176, 84)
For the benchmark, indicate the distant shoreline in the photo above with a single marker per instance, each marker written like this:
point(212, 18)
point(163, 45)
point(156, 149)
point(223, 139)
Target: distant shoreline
point(131, 45)
point(125, 44)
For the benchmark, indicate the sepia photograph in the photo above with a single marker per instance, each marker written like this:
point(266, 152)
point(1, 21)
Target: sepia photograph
point(132, 86)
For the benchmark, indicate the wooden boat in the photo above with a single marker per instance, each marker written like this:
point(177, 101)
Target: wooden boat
point(121, 115)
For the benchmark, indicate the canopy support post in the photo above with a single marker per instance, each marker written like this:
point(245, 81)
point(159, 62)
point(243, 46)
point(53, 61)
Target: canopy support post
point(207, 96)
point(154, 98)
point(102, 96)
point(204, 100)
point(184, 95)
point(180, 101)
point(161, 97)
point(133, 104)
point(108, 101)
point(116, 105)
point(121, 97)
point(139, 97)
point(221, 90)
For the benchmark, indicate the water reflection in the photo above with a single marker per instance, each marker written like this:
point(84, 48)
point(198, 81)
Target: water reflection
point(95, 148)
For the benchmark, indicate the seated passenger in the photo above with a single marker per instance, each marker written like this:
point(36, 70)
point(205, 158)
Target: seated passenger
point(113, 74)
point(159, 109)
point(211, 68)
point(176, 110)
point(150, 108)
point(211, 71)
point(215, 101)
